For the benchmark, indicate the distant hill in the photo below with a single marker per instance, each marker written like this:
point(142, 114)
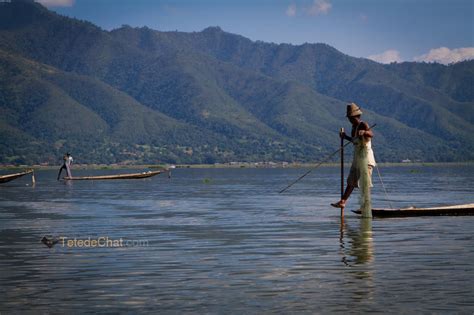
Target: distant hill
point(142, 96)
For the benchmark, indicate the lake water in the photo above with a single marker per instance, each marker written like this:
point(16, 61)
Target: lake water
point(225, 241)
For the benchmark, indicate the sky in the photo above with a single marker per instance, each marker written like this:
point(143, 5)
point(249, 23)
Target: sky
point(382, 30)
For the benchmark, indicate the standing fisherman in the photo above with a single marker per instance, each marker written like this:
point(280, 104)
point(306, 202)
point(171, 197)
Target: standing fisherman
point(363, 160)
point(67, 161)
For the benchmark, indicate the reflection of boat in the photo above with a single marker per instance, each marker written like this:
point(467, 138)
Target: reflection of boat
point(118, 176)
point(466, 209)
point(9, 177)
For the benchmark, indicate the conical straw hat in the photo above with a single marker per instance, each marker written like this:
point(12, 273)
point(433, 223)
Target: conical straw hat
point(353, 110)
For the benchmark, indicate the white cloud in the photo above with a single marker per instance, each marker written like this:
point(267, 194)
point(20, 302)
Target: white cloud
point(388, 56)
point(56, 3)
point(446, 56)
point(291, 10)
point(319, 7)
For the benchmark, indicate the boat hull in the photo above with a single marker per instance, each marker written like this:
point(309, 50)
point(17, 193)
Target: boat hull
point(119, 176)
point(10, 177)
point(466, 209)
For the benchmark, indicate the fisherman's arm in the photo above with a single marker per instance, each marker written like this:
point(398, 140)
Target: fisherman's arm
point(343, 135)
point(365, 131)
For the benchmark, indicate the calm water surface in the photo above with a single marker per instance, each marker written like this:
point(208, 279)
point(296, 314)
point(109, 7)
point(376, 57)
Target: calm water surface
point(225, 241)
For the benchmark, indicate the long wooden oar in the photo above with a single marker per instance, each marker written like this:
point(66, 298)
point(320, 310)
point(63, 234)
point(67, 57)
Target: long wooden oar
point(319, 164)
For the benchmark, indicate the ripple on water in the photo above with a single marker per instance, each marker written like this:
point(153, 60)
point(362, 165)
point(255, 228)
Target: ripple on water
point(218, 240)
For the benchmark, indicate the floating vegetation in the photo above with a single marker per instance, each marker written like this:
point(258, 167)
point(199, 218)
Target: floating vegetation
point(207, 180)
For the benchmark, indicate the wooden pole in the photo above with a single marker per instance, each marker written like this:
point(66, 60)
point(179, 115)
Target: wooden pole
point(342, 170)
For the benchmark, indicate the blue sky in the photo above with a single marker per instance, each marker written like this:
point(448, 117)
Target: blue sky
point(383, 30)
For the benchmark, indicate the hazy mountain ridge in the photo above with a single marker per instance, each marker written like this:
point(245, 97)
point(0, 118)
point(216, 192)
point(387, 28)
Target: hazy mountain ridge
point(146, 96)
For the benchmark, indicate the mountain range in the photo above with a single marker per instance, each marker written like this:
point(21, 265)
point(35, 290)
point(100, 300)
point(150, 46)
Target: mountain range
point(137, 95)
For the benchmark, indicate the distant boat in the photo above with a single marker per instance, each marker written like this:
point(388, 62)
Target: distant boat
point(118, 176)
point(10, 177)
point(466, 209)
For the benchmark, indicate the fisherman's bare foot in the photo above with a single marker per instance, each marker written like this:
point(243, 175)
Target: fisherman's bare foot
point(339, 204)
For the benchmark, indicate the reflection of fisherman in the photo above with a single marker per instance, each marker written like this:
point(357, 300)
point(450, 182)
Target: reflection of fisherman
point(362, 243)
point(361, 249)
point(67, 161)
point(361, 136)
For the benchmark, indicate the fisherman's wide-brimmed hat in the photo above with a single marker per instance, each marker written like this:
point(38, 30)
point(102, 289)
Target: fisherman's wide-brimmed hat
point(353, 110)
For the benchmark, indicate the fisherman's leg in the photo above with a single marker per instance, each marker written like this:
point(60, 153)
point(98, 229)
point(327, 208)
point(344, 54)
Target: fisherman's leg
point(347, 193)
point(68, 171)
point(60, 171)
point(352, 182)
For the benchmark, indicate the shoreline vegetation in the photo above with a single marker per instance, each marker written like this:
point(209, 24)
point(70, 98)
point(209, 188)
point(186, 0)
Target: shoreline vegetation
point(223, 165)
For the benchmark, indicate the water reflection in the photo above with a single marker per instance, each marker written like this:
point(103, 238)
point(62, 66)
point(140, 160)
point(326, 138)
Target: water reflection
point(358, 253)
point(357, 249)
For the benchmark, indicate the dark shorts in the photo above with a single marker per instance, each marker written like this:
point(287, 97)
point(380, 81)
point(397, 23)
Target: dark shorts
point(354, 175)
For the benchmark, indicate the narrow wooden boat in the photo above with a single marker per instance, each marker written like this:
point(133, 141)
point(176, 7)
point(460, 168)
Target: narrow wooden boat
point(119, 176)
point(9, 177)
point(466, 209)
